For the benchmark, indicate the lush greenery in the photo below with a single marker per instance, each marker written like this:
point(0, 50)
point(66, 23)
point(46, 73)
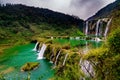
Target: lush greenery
point(20, 24)
point(24, 22)
point(27, 23)
point(71, 69)
point(105, 60)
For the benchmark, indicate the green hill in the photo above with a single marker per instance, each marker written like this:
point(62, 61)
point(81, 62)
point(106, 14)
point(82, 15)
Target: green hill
point(19, 22)
point(108, 56)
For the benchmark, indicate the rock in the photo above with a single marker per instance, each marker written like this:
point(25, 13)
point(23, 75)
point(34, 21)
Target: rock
point(30, 66)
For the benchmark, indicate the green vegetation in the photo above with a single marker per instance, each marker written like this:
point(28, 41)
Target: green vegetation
point(71, 69)
point(29, 66)
point(37, 23)
point(105, 60)
point(73, 43)
point(24, 22)
point(2, 77)
point(20, 24)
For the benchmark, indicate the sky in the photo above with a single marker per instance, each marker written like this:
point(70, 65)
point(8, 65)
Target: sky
point(81, 8)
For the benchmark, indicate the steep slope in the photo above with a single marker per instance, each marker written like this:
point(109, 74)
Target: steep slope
point(24, 22)
point(106, 11)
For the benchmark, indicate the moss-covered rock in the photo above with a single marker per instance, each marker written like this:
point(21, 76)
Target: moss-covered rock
point(29, 66)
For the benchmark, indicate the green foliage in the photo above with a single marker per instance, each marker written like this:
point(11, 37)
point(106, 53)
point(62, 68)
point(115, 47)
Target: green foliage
point(106, 59)
point(26, 22)
point(2, 77)
point(114, 41)
point(71, 71)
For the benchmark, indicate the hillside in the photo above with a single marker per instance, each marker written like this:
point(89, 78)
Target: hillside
point(108, 56)
point(107, 11)
point(25, 22)
point(111, 11)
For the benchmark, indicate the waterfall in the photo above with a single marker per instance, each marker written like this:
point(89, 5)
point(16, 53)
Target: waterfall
point(57, 57)
point(71, 38)
point(107, 27)
point(77, 38)
point(41, 53)
point(35, 48)
point(86, 30)
point(86, 48)
point(65, 59)
point(97, 27)
point(86, 67)
point(97, 39)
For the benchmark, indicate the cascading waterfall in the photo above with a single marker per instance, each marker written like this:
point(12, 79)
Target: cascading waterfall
point(86, 30)
point(86, 67)
point(41, 53)
point(65, 59)
point(57, 57)
point(97, 27)
point(35, 48)
point(107, 27)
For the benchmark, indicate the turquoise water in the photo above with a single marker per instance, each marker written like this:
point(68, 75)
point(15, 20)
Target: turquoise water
point(79, 43)
point(17, 56)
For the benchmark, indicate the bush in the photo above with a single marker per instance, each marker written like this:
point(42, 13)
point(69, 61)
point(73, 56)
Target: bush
point(106, 59)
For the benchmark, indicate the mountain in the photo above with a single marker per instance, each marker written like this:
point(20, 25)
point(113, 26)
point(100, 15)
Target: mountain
point(107, 11)
point(110, 11)
point(25, 22)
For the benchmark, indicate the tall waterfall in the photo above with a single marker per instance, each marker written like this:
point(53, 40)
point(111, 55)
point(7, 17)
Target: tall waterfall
point(107, 27)
point(57, 57)
point(86, 30)
point(65, 59)
point(41, 53)
point(35, 48)
point(97, 27)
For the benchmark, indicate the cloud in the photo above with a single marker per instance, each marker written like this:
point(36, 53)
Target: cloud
point(81, 8)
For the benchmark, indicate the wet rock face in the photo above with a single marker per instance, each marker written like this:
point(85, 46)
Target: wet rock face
point(97, 27)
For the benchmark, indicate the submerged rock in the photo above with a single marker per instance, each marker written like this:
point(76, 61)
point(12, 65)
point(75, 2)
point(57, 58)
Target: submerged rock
point(29, 66)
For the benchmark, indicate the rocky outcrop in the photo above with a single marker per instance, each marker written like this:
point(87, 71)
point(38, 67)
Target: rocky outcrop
point(29, 66)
